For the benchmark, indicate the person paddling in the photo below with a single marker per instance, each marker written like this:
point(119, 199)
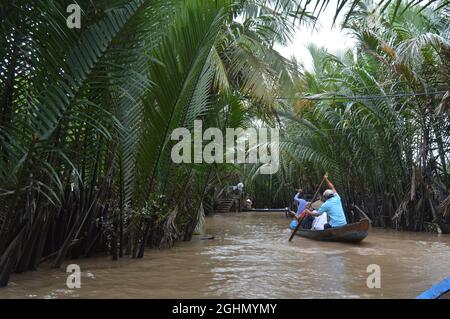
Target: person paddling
point(332, 206)
point(301, 206)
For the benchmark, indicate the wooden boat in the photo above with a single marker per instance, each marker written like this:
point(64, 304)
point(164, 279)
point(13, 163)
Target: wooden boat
point(355, 232)
point(439, 291)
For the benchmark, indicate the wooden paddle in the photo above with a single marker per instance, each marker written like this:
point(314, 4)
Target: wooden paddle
point(307, 207)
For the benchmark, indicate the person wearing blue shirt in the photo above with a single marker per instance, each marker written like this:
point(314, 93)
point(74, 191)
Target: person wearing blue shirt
point(332, 206)
point(301, 206)
point(301, 203)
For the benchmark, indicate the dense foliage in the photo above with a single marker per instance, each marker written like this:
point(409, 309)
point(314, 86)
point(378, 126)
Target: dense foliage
point(376, 118)
point(87, 114)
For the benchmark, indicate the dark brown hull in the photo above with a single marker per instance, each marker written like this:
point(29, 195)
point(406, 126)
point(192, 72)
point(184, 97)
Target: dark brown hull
point(355, 232)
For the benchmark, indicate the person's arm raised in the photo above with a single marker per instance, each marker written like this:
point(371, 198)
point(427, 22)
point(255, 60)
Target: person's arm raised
point(330, 185)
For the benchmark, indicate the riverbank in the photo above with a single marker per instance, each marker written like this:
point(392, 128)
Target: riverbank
point(251, 258)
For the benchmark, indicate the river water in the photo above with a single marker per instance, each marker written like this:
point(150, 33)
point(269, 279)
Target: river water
point(250, 257)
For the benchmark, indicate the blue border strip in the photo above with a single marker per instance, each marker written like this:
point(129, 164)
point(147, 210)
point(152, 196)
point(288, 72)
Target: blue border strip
point(435, 291)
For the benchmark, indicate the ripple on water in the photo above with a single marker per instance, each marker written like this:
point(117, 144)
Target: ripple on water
point(251, 257)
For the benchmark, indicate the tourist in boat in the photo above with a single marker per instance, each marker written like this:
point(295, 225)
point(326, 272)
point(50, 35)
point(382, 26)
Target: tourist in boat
point(319, 222)
point(248, 203)
point(332, 206)
point(300, 214)
point(301, 203)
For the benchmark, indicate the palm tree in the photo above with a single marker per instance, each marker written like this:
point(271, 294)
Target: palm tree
point(369, 118)
point(86, 116)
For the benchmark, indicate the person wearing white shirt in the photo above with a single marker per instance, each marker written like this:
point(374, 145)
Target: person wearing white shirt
point(319, 222)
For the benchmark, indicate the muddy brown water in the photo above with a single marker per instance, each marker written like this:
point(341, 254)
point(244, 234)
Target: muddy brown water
point(250, 257)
